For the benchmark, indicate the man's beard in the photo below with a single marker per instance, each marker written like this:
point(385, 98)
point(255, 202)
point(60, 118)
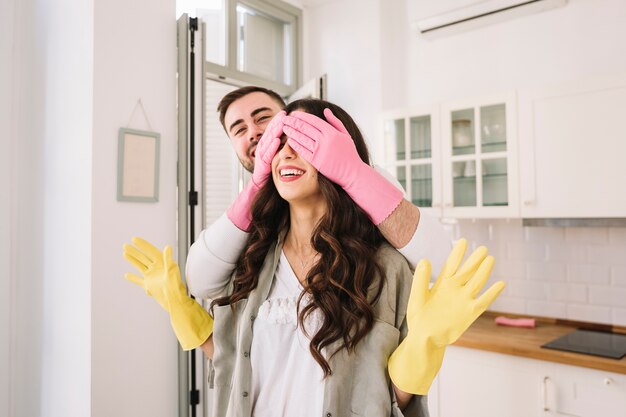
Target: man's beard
point(247, 163)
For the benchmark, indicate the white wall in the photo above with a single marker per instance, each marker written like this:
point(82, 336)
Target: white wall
point(7, 59)
point(47, 169)
point(76, 338)
point(583, 39)
point(342, 40)
point(134, 359)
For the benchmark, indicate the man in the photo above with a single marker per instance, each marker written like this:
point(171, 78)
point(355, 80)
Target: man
point(246, 112)
point(246, 115)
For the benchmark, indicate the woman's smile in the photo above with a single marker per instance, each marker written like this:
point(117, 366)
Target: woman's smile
point(289, 173)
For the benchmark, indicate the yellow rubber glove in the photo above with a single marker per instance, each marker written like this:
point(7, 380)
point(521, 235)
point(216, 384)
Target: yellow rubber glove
point(161, 280)
point(438, 316)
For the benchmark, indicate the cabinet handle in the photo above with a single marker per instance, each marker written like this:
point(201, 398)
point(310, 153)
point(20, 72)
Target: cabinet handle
point(544, 393)
point(529, 202)
point(608, 381)
point(448, 204)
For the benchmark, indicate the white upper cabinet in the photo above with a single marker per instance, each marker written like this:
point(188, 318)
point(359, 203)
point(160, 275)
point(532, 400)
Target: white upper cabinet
point(457, 159)
point(413, 154)
point(479, 158)
point(573, 150)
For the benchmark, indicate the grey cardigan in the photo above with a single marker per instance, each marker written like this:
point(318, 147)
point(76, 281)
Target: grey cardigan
point(359, 384)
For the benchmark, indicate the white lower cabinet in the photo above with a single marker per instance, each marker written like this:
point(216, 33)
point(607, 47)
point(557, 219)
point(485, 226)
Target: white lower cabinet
point(475, 383)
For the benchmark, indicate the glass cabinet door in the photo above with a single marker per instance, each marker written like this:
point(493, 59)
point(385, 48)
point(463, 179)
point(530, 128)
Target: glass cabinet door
point(494, 176)
point(464, 183)
point(477, 157)
point(408, 144)
point(493, 128)
point(420, 137)
point(422, 185)
point(421, 171)
point(463, 132)
point(493, 136)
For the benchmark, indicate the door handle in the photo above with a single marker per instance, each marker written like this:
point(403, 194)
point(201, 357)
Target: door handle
point(544, 393)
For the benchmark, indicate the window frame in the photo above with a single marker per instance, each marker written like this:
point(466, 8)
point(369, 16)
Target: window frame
point(229, 73)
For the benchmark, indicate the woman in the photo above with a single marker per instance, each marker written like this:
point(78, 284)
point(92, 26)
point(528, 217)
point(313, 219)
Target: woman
point(317, 301)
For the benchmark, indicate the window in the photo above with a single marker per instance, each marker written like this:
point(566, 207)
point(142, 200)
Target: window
point(250, 41)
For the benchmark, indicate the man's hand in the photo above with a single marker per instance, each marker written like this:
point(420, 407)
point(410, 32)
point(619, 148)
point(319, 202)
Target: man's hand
point(266, 149)
point(239, 212)
point(437, 317)
point(161, 280)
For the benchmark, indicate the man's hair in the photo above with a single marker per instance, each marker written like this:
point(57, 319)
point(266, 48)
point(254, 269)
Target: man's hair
point(231, 97)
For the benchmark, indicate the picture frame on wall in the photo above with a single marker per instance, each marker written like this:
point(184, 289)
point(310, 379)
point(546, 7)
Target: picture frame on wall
point(138, 165)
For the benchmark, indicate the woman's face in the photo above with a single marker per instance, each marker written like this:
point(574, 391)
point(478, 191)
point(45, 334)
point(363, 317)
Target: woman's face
point(294, 178)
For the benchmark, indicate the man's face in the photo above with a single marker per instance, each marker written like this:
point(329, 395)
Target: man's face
point(245, 121)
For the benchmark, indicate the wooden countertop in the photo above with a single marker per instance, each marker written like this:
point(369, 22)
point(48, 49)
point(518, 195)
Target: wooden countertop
point(485, 334)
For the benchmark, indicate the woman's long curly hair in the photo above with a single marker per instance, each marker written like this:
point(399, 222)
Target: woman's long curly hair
point(346, 281)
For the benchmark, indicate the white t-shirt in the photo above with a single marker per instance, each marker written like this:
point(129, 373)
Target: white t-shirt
point(286, 380)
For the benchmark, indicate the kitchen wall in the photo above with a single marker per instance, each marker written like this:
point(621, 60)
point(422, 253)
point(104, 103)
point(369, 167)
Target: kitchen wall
point(46, 161)
point(342, 39)
point(576, 273)
point(76, 339)
point(134, 354)
point(565, 272)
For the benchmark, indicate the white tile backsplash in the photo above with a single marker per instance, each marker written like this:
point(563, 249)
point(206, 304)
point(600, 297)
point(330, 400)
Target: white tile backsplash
point(586, 235)
point(575, 293)
point(607, 296)
point(527, 251)
point(607, 254)
point(527, 289)
point(570, 273)
point(590, 313)
point(546, 271)
point(547, 308)
point(589, 274)
point(617, 235)
point(545, 234)
point(618, 276)
point(567, 252)
point(619, 316)
point(509, 305)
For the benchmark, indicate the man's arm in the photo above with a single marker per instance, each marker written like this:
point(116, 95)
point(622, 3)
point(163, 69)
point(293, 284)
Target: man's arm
point(401, 224)
point(212, 258)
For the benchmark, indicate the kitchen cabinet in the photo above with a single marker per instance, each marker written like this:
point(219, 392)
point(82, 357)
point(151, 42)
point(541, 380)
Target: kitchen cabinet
point(572, 150)
point(458, 159)
point(479, 157)
point(475, 383)
point(413, 154)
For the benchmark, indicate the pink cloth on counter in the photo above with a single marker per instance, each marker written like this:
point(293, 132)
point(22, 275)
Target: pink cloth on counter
point(507, 321)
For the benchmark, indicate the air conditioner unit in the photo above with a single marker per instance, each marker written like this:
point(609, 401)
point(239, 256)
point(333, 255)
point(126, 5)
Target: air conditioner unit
point(481, 14)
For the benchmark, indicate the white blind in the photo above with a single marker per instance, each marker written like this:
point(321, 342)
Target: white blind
point(221, 166)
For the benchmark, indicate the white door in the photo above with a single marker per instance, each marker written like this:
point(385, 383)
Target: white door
point(314, 88)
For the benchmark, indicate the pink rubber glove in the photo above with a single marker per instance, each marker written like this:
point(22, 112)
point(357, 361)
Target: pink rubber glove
point(239, 212)
point(330, 149)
